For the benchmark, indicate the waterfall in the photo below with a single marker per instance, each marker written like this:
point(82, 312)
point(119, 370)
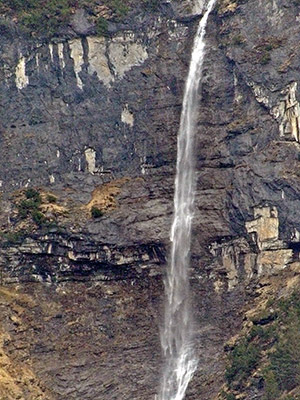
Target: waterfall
point(177, 333)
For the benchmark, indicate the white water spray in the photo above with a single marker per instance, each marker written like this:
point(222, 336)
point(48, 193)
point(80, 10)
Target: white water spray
point(177, 332)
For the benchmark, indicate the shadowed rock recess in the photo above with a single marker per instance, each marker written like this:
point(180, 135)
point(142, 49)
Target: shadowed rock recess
point(89, 119)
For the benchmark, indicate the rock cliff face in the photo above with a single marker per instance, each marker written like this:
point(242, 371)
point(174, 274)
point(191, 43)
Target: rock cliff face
point(89, 126)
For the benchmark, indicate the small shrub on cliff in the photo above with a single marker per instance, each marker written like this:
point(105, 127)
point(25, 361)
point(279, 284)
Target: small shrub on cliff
point(43, 17)
point(47, 18)
point(51, 199)
point(29, 207)
point(256, 331)
point(38, 217)
point(270, 385)
point(32, 202)
point(96, 212)
point(102, 27)
point(33, 194)
point(119, 8)
point(12, 238)
point(228, 396)
point(25, 207)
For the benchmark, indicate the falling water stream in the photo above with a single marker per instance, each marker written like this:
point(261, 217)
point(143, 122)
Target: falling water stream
point(177, 333)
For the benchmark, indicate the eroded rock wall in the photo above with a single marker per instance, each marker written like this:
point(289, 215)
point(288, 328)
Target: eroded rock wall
point(93, 121)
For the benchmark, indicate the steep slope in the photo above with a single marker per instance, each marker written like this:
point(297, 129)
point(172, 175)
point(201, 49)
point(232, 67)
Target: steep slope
point(87, 157)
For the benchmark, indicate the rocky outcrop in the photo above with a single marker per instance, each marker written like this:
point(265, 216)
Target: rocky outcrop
point(288, 112)
point(262, 253)
point(76, 258)
point(92, 121)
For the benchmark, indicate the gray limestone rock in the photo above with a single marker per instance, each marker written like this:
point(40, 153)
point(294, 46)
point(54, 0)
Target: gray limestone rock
point(94, 120)
point(80, 23)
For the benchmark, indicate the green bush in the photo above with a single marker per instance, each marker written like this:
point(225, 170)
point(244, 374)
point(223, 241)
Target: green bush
point(44, 17)
point(96, 212)
point(51, 198)
point(228, 396)
point(285, 361)
point(270, 385)
point(33, 194)
point(102, 27)
point(256, 330)
point(32, 202)
point(25, 207)
point(47, 17)
point(30, 207)
point(277, 343)
point(243, 359)
point(38, 217)
point(21, 5)
point(12, 238)
point(290, 308)
point(119, 8)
